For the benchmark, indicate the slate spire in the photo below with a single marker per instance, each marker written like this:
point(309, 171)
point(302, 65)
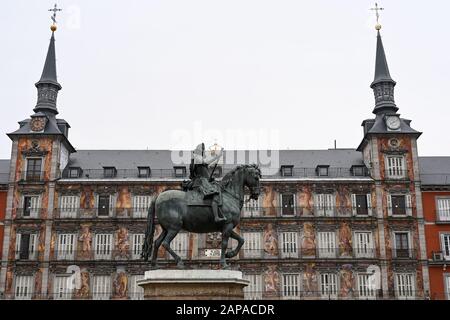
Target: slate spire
point(383, 85)
point(48, 85)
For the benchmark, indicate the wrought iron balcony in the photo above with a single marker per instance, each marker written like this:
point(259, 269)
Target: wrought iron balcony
point(138, 213)
point(404, 254)
point(32, 176)
point(311, 211)
point(442, 216)
point(29, 213)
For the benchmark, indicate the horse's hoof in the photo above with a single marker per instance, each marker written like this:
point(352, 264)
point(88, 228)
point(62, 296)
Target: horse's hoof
point(154, 267)
point(225, 266)
point(180, 265)
point(229, 254)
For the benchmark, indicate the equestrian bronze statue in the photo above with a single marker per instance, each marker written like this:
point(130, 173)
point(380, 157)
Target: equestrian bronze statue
point(204, 206)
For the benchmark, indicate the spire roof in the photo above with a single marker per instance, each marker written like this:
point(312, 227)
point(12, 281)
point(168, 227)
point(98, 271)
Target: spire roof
point(381, 67)
point(49, 71)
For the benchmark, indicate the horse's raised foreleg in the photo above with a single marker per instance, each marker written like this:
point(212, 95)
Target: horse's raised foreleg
point(226, 231)
point(156, 246)
point(235, 251)
point(171, 234)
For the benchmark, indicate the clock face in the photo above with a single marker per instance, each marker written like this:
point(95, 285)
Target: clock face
point(38, 123)
point(393, 122)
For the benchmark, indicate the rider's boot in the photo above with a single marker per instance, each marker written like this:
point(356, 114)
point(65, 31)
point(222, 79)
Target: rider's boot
point(215, 209)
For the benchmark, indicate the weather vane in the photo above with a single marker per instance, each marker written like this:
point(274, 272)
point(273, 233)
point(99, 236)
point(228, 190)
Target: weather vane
point(53, 17)
point(377, 14)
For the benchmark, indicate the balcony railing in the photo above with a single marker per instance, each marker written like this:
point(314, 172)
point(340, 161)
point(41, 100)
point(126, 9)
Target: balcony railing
point(317, 253)
point(32, 176)
point(396, 174)
point(442, 215)
point(316, 211)
point(404, 253)
point(29, 213)
point(137, 213)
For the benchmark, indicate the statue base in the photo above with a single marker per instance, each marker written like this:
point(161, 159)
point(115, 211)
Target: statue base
point(195, 284)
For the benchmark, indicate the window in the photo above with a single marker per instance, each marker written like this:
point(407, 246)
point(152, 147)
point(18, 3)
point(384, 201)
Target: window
point(68, 206)
point(136, 292)
point(399, 205)
point(363, 245)
point(74, 172)
point(327, 244)
point(401, 244)
point(395, 167)
point(23, 287)
point(289, 244)
point(328, 285)
point(31, 206)
point(287, 171)
point(251, 207)
point(255, 288)
point(443, 205)
point(144, 172)
point(322, 171)
point(109, 172)
point(324, 204)
point(141, 205)
point(252, 244)
point(362, 204)
point(66, 246)
point(34, 169)
point(103, 245)
point(287, 204)
point(180, 244)
point(104, 205)
point(180, 172)
point(366, 290)
point(447, 286)
point(26, 246)
point(291, 286)
point(358, 171)
point(445, 243)
point(61, 289)
point(405, 285)
point(137, 242)
point(101, 287)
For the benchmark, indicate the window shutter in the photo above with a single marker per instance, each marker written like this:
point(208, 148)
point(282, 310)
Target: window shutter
point(369, 204)
point(18, 241)
point(354, 204)
point(33, 246)
point(389, 205)
point(34, 212)
point(408, 205)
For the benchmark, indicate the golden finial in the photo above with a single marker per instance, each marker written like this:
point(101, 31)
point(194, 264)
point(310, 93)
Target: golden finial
point(53, 17)
point(377, 9)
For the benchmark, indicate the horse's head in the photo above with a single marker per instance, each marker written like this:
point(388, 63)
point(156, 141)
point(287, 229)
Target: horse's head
point(252, 178)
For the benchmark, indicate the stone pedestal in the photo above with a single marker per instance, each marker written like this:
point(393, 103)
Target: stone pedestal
point(193, 284)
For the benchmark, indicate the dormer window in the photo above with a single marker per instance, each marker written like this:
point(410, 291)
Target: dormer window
point(358, 171)
point(322, 170)
point(143, 172)
point(180, 172)
point(287, 171)
point(74, 172)
point(109, 172)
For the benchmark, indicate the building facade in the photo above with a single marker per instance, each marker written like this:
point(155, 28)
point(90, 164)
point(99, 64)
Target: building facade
point(329, 224)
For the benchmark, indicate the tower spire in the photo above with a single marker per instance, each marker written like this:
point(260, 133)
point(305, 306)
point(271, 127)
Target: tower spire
point(48, 85)
point(382, 85)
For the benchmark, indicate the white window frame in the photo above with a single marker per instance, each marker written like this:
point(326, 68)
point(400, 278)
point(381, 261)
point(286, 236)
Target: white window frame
point(41, 173)
point(405, 283)
point(101, 287)
point(395, 166)
point(103, 243)
point(324, 204)
point(136, 245)
point(255, 288)
point(23, 287)
point(394, 246)
point(408, 205)
point(328, 290)
point(32, 246)
point(66, 246)
point(365, 292)
point(252, 247)
point(141, 203)
point(35, 206)
point(326, 244)
point(289, 244)
point(291, 286)
point(445, 245)
point(447, 285)
point(135, 291)
point(443, 208)
point(252, 207)
point(363, 245)
point(369, 204)
point(180, 244)
point(69, 206)
point(294, 203)
point(61, 289)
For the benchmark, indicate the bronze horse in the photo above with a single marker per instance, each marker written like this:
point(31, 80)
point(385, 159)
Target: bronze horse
point(175, 215)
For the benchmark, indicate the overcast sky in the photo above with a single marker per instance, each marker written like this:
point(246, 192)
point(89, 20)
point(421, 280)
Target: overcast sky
point(161, 74)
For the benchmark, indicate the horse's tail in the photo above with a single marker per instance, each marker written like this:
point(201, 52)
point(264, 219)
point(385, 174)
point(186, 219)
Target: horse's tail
point(149, 232)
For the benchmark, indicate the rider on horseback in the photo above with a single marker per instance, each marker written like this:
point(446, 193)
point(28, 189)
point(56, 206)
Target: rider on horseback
point(203, 180)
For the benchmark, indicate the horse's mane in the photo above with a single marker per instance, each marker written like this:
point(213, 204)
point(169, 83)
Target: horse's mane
point(226, 180)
